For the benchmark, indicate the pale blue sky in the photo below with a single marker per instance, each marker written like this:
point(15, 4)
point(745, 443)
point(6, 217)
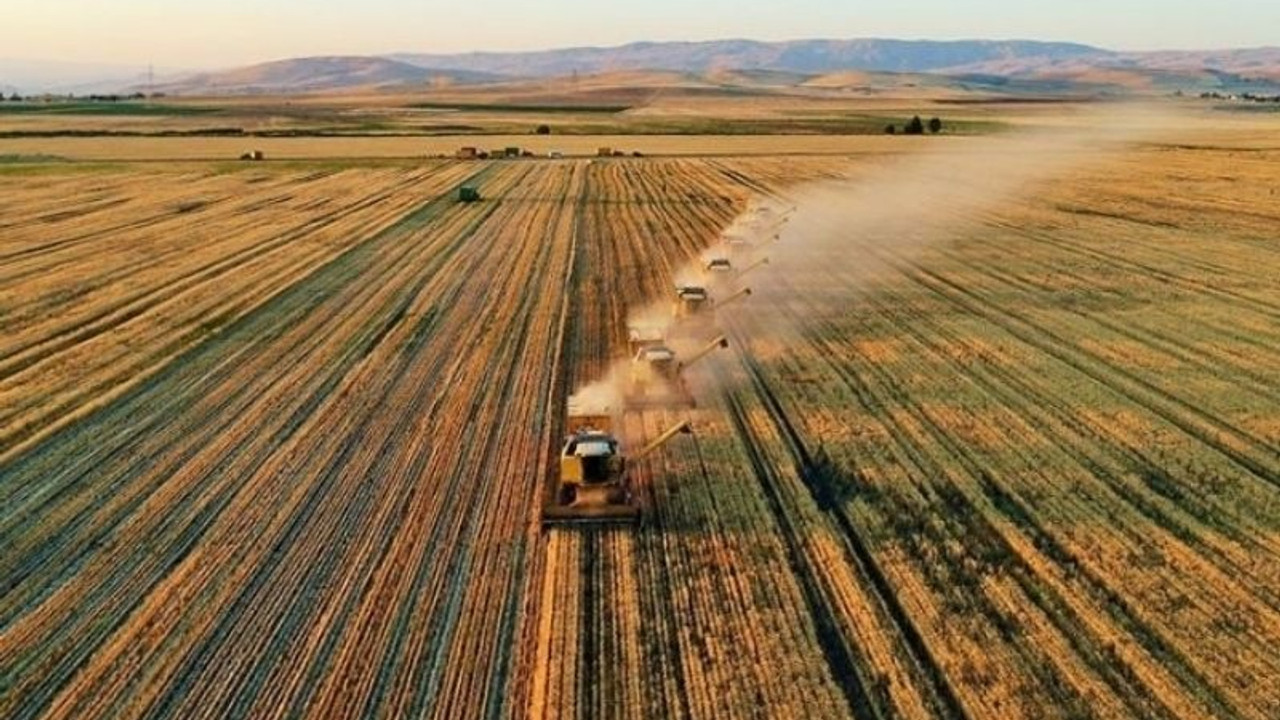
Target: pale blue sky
point(202, 33)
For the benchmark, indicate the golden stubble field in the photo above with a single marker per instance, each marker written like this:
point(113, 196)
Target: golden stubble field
point(609, 103)
point(274, 439)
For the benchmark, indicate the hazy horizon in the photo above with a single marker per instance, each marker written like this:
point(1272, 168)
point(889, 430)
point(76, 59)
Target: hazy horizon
point(136, 33)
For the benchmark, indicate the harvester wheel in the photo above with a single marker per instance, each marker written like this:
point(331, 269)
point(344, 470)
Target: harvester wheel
point(567, 495)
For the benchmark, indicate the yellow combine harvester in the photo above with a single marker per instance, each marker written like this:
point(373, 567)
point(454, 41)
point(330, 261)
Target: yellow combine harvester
point(640, 337)
point(717, 268)
point(693, 301)
point(656, 378)
point(593, 487)
point(690, 300)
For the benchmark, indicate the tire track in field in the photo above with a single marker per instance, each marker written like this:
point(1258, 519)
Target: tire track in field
point(942, 696)
point(1237, 299)
point(962, 504)
point(1056, 423)
point(1246, 450)
point(1168, 346)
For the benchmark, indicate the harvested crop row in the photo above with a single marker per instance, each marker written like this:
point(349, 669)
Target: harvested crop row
point(285, 496)
point(125, 323)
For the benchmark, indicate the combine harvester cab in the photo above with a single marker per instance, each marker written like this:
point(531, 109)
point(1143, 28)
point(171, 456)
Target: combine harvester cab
point(768, 223)
point(593, 487)
point(640, 337)
point(737, 246)
point(717, 268)
point(694, 312)
point(654, 380)
point(691, 300)
point(717, 271)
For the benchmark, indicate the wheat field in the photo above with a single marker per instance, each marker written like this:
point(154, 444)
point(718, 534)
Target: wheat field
point(274, 438)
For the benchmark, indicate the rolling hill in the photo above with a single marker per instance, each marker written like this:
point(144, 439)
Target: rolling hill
point(803, 56)
point(316, 74)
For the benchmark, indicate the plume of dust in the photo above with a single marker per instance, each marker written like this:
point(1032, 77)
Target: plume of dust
point(606, 395)
point(825, 242)
point(600, 397)
point(654, 317)
point(832, 236)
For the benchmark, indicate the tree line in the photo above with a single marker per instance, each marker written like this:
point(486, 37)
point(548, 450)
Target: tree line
point(916, 126)
point(114, 97)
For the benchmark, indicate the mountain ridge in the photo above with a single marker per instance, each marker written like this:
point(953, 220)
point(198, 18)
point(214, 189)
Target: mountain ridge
point(814, 55)
point(1057, 64)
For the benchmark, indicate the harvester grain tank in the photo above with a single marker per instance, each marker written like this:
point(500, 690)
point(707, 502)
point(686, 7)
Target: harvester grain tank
point(593, 485)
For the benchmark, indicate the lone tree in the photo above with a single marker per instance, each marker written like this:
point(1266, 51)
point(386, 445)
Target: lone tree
point(543, 130)
point(15, 98)
point(916, 126)
point(935, 125)
point(890, 130)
